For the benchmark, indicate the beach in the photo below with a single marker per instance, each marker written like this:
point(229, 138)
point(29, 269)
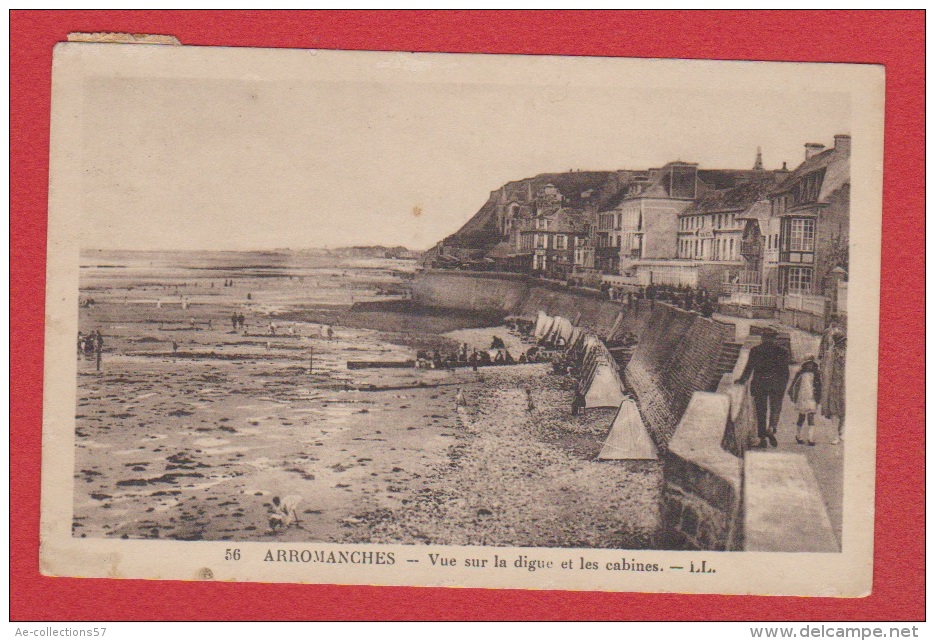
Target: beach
point(192, 425)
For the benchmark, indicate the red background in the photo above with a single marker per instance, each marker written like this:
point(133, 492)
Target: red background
point(895, 39)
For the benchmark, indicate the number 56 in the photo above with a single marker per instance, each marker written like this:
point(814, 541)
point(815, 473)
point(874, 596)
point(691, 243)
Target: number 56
point(232, 554)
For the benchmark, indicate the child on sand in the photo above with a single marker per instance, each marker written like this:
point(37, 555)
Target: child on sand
point(805, 392)
point(283, 512)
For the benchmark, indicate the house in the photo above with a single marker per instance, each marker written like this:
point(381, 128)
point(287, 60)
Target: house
point(649, 214)
point(812, 207)
point(551, 238)
point(608, 221)
point(720, 238)
point(662, 243)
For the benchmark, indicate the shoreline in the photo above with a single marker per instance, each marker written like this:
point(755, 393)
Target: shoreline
point(194, 444)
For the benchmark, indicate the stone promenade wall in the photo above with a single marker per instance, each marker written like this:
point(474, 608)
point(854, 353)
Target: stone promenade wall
point(516, 294)
point(718, 495)
point(471, 291)
point(701, 503)
point(677, 355)
point(585, 308)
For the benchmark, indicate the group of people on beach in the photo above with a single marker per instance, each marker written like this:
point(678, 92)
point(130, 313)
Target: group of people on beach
point(498, 354)
point(90, 343)
point(238, 321)
point(816, 383)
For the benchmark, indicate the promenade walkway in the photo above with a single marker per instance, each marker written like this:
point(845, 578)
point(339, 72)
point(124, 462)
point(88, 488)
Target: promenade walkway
point(825, 459)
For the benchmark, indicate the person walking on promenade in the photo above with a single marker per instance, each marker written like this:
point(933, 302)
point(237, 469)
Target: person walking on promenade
point(768, 365)
point(833, 360)
point(831, 333)
point(651, 295)
point(805, 392)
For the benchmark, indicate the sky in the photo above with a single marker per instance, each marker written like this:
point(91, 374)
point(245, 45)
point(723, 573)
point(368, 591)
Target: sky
point(190, 163)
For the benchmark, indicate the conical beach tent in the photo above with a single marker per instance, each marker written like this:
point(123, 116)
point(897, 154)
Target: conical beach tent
point(561, 329)
point(618, 323)
point(628, 438)
point(543, 320)
point(605, 389)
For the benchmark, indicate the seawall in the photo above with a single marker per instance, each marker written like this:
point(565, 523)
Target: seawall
point(681, 373)
point(518, 295)
point(682, 354)
point(470, 291)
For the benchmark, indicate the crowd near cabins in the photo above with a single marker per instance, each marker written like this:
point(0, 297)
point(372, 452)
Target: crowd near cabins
point(771, 243)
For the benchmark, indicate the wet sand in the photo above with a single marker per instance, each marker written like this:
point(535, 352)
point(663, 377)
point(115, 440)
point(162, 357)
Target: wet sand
point(194, 444)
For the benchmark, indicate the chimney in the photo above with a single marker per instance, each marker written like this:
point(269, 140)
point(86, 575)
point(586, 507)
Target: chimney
point(842, 143)
point(812, 148)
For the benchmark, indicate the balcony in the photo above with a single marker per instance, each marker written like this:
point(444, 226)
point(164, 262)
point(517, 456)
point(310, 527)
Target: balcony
point(805, 303)
point(752, 248)
point(750, 300)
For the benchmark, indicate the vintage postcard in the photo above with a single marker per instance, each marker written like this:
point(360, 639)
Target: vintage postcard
point(462, 320)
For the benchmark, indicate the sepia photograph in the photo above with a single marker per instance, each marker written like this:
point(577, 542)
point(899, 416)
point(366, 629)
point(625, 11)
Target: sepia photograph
point(438, 319)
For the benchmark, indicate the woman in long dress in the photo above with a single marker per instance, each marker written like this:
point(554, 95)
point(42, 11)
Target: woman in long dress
point(832, 382)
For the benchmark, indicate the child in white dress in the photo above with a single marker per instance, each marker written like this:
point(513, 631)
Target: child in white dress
point(805, 392)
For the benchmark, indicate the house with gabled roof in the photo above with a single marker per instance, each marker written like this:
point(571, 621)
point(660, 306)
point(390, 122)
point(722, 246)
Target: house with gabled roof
point(719, 235)
point(660, 245)
point(550, 240)
point(812, 206)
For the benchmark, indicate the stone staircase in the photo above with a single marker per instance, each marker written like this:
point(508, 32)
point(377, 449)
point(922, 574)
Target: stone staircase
point(726, 361)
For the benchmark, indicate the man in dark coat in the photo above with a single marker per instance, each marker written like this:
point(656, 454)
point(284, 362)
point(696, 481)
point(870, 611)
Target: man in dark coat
point(768, 364)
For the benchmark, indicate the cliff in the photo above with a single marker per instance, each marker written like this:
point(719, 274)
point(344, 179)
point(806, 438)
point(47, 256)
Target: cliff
point(588, 190)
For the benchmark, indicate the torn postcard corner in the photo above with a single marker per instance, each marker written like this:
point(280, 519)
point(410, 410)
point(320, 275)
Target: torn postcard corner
point(123, 38)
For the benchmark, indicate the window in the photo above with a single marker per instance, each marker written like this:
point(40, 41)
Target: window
point(798, 280)
point(730, 255)
point(802, 234)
